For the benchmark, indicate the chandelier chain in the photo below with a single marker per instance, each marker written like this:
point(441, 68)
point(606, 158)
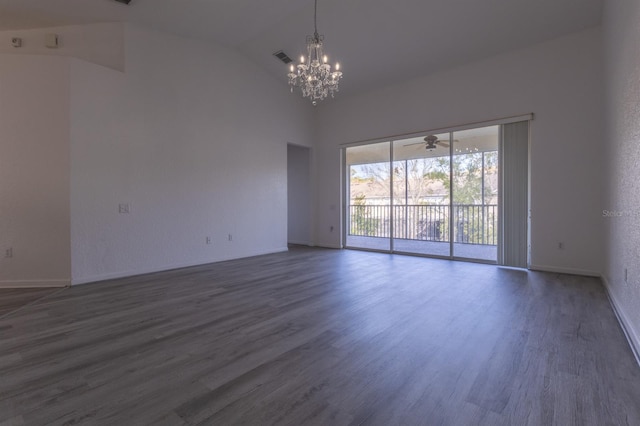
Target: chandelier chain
point(315, 19)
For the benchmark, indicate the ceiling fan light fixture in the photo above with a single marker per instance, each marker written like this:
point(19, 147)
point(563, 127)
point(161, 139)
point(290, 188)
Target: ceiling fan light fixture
point(313, 74)
point(432, 141)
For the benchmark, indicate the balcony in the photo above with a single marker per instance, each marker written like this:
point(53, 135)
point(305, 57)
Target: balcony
point(424, 229)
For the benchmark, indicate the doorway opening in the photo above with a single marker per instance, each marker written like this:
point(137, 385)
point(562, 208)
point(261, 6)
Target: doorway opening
point(298, 195)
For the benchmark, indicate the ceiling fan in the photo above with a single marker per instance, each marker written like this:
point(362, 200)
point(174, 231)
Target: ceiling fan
point(431, 142)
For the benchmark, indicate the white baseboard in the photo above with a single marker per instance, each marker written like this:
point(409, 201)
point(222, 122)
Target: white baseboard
point(633, 337)
point(331, 246)
point(571, 271)
point(164, 268)
point(34, 283)
point(301, 243)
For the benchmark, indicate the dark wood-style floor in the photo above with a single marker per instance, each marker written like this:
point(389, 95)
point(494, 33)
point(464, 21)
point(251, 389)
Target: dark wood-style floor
point(12, 299)
point(321, 337)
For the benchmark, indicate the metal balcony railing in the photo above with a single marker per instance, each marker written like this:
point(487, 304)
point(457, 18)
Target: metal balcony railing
point(473, 223)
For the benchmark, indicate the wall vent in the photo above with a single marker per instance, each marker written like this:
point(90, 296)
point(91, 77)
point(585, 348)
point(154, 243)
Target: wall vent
point(283, 57)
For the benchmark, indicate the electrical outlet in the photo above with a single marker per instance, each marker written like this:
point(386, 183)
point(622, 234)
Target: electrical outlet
point(124, 208)
point(51, 41)
point(230, 237)
point(208, 240)
point(8, 253)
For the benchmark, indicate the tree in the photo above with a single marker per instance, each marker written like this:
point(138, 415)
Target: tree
point(361, 221)
point(467, 170)
point(471, 173)
point(410, 178)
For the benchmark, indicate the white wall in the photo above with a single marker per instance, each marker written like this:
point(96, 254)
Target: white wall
point(34, 171)
point(560, 81)
point(101, 44)
point(622, 149)
point(299, 195)
point(194, 138)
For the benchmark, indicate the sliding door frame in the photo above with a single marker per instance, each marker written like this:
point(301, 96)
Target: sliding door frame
point(392, 228)
point(345, 199)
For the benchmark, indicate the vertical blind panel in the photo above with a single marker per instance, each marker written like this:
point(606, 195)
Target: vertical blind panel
point(515, 199)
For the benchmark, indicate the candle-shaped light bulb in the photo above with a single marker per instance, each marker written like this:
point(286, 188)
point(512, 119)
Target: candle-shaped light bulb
point(325, 59)
point(292, 68)
point(302, 59)
point(337, 66)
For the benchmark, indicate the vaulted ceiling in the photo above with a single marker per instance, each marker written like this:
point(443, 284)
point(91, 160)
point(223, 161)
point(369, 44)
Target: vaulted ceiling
point(377, 42)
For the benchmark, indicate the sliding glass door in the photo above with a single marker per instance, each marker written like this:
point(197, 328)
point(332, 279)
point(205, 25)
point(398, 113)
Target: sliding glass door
point(421, 196)
point(440, 195)
point(475, 193)
point(369, 224)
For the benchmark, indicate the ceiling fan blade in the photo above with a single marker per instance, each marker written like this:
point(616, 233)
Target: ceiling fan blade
point(439, 142)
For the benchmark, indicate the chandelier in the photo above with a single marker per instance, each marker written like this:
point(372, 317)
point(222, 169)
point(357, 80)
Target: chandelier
point(313, 74)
